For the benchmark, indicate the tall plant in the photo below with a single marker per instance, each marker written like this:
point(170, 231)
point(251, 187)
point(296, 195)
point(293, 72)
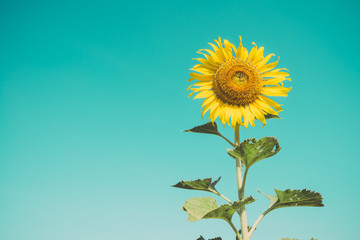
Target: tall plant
point(235, 85)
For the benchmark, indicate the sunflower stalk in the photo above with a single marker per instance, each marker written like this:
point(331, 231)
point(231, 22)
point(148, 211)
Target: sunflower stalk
point(236, 84)
point(241, 187)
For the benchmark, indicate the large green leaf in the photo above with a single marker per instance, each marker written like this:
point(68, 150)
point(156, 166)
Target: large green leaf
point(294, 198)
point(199, 184)
point(251, 151)
point(208, 128)
point(206, 207)
point(199, 207)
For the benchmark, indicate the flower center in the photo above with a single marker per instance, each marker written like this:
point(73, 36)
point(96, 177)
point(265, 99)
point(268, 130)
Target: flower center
point(240, 78)
point(237, 82)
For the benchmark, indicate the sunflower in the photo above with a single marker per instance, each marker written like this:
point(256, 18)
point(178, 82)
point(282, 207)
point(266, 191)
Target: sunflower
point(235, 83)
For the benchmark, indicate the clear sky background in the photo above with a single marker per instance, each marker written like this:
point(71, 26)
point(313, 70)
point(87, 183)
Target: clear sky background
point(92, 101)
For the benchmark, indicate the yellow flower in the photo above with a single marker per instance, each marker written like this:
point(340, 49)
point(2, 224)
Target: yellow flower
point(235, 83)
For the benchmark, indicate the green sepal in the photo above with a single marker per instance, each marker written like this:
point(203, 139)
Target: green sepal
point(294, 198)
point(269, 116)
point(199, 184)
point(206, 207)
point(208, 128)
point(251, 151)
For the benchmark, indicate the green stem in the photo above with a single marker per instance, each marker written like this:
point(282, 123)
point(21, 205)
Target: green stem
point(255, 225)
point(232, 144)
point(235, 230)
point(240, 184)
point(226, 199)
point(244, 181)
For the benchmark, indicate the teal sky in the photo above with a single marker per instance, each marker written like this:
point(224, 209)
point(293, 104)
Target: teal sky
point(92, 101)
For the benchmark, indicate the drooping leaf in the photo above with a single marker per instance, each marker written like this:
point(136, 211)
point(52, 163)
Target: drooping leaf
point(206, 207)
point(199, 207)
point(269, 116)
point(251, 151)
point(199, 184)
point(294, 198)
point(208, 128)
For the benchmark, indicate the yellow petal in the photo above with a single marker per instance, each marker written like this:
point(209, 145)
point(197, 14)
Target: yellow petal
point(208, 100)
point(258, 113)
point(248, 117)
point(228, 49)
point(210, 107)
point(221, 54)
point(273, 81)
point(202, 77)
point(240, 50)
point(275, 91)
point(214, 111)
point(214, 47)
point(203, 88)
point(200, 84)
point(252, 53)
point(191, 94)
point(264, 61)
point(207, 64)
point(271, 103)
point(203, 94)
point(265, 107)
point(236, 116)
point(203, 70)
point(268, 67)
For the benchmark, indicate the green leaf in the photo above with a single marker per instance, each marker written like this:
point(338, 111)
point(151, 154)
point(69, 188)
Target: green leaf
point(251, 151)
point(208, 128)
point(269, 116)
point(226, 211)
point(199, 184)
point(294, 198)
point(200, 238)
point(199, 207)
point(206, 207)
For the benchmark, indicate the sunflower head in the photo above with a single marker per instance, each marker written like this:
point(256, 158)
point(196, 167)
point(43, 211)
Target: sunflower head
point(235, 83)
